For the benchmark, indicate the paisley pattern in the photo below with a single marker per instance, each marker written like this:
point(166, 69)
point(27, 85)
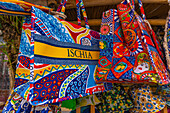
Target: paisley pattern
point(16, 104)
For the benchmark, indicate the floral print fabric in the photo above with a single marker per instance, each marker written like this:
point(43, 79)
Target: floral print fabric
point(114, 101)
point(165, 92)
point(145, 101)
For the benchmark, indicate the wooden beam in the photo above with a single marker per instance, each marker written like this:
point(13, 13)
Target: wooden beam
point(92, 109)
point(97, 22)
point(78, 110)
point(157, 21)
point(2, 103)
point(90, 3)
point(165, 110)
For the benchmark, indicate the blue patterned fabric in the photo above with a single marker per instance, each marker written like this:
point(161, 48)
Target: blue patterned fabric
point(18, 7)
point(45, 81)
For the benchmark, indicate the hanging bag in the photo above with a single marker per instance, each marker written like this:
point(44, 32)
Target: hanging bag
point(57, 59)
point(166, 42)
point(137, 31)
point(131, 57)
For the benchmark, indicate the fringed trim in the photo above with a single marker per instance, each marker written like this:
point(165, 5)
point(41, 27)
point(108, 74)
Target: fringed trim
point(165, 43)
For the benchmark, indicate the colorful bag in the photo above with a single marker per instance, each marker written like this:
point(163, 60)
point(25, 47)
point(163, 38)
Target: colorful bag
point(144, 101)
point(165, 92)
point(166, 42)
point(138, 37)
point(112, 49)
point(132, 57)
point(57, 60)
point(165, 89)
point(114, 101)
point(17, 104)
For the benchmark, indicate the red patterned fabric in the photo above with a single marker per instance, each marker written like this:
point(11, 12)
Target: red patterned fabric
point(128, 48)
point(139, 28)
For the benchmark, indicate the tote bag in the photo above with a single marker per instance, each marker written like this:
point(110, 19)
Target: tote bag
point(132, 57)
point(138, 28)
point(57, 59)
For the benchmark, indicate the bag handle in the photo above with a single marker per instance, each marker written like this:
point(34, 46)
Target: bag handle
point(140, 6)
point(62, 6)
point(79, 4)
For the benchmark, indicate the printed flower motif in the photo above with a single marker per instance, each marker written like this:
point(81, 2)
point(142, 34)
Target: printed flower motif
point(146, 101)
point(102, 44)
point(149, 106)
point(115, 101)
point(142, 99)
point(105, 29)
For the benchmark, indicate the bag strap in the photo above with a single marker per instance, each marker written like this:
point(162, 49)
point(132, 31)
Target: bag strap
point(62, 6)
point(79, 4)
point(140, 6)
point(142, 10)
point(78, 12)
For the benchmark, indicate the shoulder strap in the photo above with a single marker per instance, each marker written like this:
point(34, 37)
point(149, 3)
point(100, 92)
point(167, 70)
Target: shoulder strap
point(140, 6)
point(79, 5)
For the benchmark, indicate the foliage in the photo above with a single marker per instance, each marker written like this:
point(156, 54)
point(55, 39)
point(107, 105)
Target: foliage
point(11, 27)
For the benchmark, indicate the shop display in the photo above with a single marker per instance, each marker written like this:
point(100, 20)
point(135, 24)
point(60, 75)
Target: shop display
point(62, 66)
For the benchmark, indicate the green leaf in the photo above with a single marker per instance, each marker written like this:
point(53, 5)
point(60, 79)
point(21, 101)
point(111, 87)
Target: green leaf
point(5, 60)
point(4, 51)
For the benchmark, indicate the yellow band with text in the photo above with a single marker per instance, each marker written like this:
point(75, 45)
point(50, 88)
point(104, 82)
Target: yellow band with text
point(44, 49)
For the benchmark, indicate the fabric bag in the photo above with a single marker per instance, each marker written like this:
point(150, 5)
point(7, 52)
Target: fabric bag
point(144, 101)
point(165, 92)
point(166, 42)
point(165, 89)
point(17, 104)
point(133, 56)
point(57, 59)
point(114, 101)
point(137, 31)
